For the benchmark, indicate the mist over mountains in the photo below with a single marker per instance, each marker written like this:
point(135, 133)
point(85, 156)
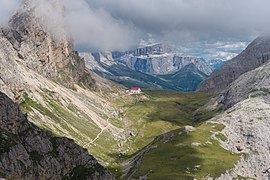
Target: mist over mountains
point(121, 25)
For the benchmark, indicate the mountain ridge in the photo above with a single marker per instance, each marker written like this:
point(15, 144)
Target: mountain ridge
point(256, 54)
point(43, 51)
point(140, 68)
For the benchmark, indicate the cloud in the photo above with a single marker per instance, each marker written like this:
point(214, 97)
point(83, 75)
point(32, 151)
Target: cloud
point(196, 18)
point(92, 29)
point(221, 49)
point(99, 25)
point(95, 28)
point(7, 8)
point(206, 28)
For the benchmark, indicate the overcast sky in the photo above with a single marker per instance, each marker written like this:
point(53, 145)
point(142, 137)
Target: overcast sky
point(207, 28)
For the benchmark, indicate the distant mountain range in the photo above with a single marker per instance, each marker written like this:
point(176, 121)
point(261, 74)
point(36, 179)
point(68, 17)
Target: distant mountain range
point(156, 66)
point(216, 63)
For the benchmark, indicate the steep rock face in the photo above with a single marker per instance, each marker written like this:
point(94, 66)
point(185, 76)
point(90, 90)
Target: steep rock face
point(28, 152)
point(256, 54)
point(53, 106)
point(161, 59)
point(46, 51)
point(251, 84)
point(146, 66)
point(153, 49)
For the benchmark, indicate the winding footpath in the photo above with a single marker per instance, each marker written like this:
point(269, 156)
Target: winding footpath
point(103, 129)
point(108, 123)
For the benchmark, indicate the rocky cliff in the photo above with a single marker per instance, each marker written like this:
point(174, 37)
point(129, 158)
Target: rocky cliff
point(256, 54)
point(146, 66)
point(246, 119)
point(251, 84)
point(161, 59)
point(247, 133)
point(153, 49)
point(46, 51)
point(28, 152)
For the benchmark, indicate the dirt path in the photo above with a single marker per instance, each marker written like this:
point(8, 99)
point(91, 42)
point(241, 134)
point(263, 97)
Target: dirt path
point(103, 129)
point(107, 121)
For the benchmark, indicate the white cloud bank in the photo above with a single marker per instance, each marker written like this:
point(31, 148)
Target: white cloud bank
point(100, 25)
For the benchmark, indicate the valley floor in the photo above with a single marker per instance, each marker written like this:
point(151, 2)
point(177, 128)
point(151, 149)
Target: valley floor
point(161, 134)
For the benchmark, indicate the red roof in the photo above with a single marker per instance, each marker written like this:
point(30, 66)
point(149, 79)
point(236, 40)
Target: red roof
point(135, 88)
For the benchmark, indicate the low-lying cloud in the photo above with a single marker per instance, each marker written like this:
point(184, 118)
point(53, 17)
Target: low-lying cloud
point(99, 25)
point(93, 29)
point(121, 24)
point(97, 29)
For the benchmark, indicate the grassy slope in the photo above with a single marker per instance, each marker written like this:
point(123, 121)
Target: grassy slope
point(177, 158)
point(158, 112)
point(147, 116)
point(74, 124)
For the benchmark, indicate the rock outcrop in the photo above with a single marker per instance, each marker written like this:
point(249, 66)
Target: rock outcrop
point(28, 152)
point(247, 130)
point(251, 84)
point(256, 54)
point(247, 102)
point(46, 51)
point(161, 59)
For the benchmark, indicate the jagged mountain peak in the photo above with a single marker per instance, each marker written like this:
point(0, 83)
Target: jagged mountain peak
point(190, 67)
point(154, 49)
point(143, 66)
point(48, 15)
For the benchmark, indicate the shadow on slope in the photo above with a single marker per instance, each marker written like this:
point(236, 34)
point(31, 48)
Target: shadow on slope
point(158, 112)
point(184, 154)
